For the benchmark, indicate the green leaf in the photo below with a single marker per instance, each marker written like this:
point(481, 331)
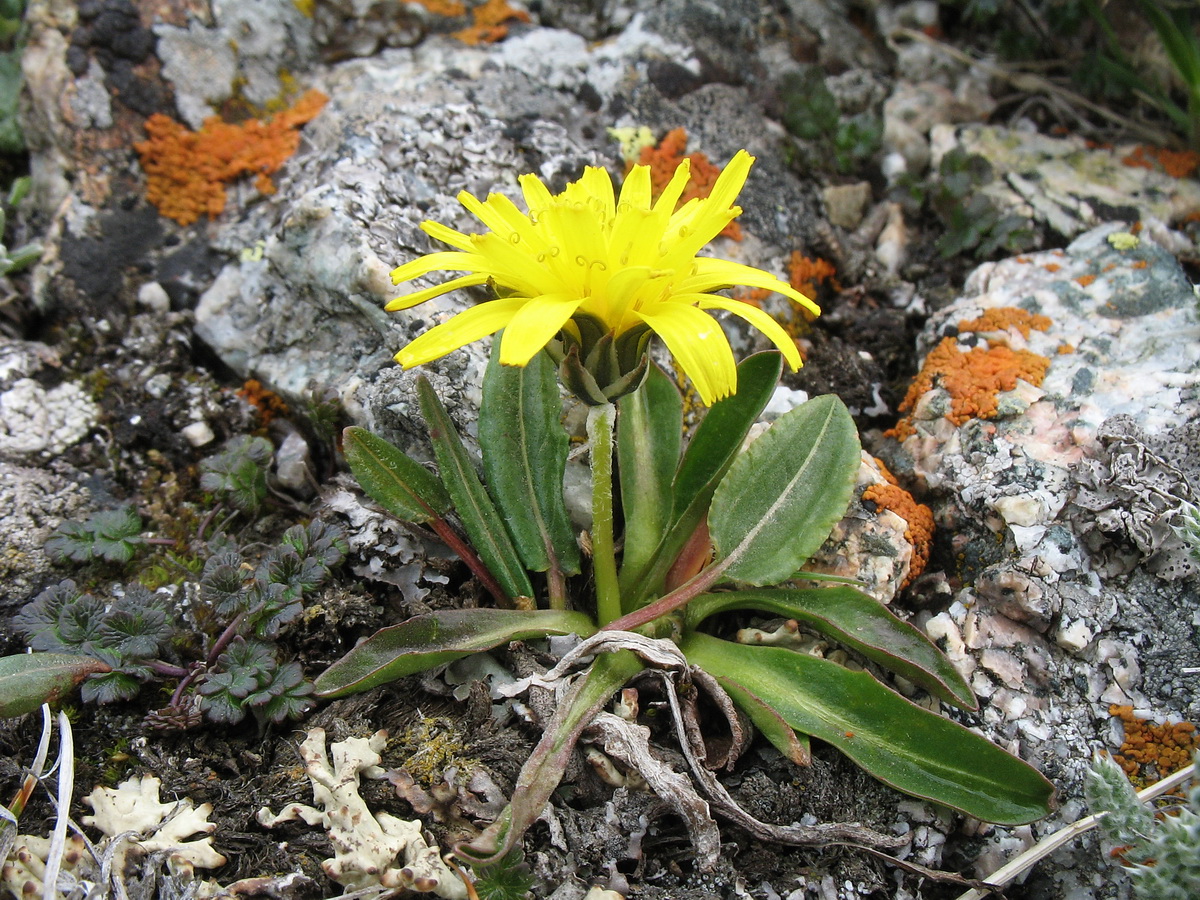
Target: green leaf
point(480, 518)
point(524, 457)
point(399, 484)
point(649, 438)
point(544, 769)
point(423, 642)
point(858, 621)
point(782, 497)
point(27, 680)
point(710, 452)
point(791, 743)
point(902, 744)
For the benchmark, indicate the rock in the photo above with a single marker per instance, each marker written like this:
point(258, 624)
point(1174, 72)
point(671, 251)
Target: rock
point(844, 203)
point(38, 422)
point(1059, 487)
point(1064, 184)
point(33, 502)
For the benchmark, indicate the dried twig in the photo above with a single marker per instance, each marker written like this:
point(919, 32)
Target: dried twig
point(1025, 861)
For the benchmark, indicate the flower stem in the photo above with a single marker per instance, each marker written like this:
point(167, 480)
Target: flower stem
point(668, 603)
point(604, 563)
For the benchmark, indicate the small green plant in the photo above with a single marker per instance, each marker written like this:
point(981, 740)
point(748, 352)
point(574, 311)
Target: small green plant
point(1159, 848)
point(684, 536)
point(1175, 26)
point(810, 112)
point(25, 256)
point(239, 472)
point(508, 879)
point(132, 636)
point(12, 45)
point(1186, 525)
point(973, 223)
point(113, 535)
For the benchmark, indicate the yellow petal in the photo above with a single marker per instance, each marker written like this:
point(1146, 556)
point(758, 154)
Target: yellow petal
point(699, 347)
point(669, 198)
point(536, 194)
point(635, 192)
point(453, 260)
point(597, 183)
point(469, 325)
point(760, 320)
point(447, 235)
point(731, 180)
point(711, 274)
point(539, 320)
point(408, 301)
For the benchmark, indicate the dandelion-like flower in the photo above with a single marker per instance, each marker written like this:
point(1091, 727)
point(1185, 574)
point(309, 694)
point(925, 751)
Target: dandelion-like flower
point(601, 273)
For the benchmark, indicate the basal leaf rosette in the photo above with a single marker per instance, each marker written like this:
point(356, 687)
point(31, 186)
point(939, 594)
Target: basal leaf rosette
point(593, 275)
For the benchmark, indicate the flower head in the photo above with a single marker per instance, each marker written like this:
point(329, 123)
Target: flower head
point(601, 273)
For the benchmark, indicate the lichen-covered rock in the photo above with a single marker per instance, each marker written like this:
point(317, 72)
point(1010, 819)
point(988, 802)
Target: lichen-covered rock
point(39, 422)
point(1066, 185)
point(1052, 433)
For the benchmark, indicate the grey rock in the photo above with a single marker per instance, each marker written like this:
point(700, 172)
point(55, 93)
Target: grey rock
point(33, 502)
point(1076, 594)
point(1066, 185)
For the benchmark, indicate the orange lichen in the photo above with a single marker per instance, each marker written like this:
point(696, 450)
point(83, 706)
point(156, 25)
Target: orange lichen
point(448, 8)
point(918, 516)
point(1085, 280)
point(1151, 751)
point(999, 318)
point(974, 379)
point(1138, 264)
point(807, 275)
point(753, 296)
point(266, 402)
point(186, 171)
point(1176, 163)
point(1051, 267)
point(490, 22)
point(664, 159)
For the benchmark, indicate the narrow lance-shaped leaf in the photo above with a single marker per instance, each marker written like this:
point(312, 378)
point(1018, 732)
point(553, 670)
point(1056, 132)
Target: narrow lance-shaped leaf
point(649, 436)
point(902, 744)
point(480, 518)
point(27, 680)
point(781, 498)
point(709, 453)
point(791, 743)
point(524, 457)
point(396, 482)
point(544, 769)
point(423, 642)
point(858, 621)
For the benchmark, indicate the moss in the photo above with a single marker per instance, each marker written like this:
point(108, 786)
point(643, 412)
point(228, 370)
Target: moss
point(430, 746)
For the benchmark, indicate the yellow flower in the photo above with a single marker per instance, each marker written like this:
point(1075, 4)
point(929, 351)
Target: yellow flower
point(585, 258)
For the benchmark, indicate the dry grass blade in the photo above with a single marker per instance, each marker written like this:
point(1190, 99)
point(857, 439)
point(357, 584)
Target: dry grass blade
point(1023, 862)
point(1029, 83)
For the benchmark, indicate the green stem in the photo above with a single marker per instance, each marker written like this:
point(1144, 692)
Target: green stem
point(668, 603)
point(604, 562)
point(556, 585)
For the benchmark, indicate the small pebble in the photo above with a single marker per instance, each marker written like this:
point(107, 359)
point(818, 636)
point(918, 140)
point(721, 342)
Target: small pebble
point(198, 433)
